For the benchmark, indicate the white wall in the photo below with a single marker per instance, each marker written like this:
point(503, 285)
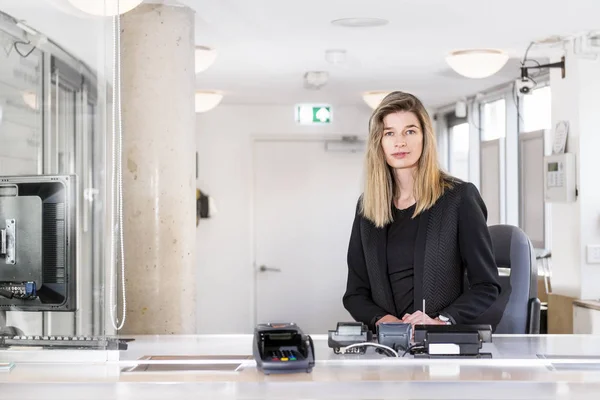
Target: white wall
point(224, 254)
point(576, 225)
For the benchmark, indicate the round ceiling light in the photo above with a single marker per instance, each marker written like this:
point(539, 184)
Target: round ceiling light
point(477, 63)
point(359, 22)
point(207, 100)
point(105, 8)
point(373, 99)
point(205, 57)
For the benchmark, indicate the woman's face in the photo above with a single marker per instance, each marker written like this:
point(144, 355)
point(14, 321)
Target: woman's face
point(402, 140)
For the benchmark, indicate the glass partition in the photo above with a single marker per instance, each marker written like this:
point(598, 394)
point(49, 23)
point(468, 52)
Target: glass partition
point(53, 190)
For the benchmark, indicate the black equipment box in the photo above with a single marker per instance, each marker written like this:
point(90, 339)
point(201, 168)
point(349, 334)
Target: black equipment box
point(396, 335)
point(440, 341)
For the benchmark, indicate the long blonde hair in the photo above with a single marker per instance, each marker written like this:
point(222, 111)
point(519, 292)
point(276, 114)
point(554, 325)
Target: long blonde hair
point(380, 185)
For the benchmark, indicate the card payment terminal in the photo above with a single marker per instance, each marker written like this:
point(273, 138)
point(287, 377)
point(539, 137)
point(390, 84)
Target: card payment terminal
point(282, 348)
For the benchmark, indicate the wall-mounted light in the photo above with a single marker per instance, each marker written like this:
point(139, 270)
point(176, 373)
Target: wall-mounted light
point(205, 57)
point(207, 100)
point(105, 7)
point(374, 98)
point(477, 63)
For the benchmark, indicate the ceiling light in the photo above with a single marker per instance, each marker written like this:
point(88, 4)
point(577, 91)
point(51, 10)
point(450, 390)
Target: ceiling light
point(315, 80)
point(335, 56)
point(374, 98)
point(477, 63)
point(360, 22)
point(105, 7)
point(206, 100)
point(205, 57)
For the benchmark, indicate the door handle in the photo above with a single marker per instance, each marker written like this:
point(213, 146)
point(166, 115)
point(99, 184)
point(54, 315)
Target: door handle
point(264, 268)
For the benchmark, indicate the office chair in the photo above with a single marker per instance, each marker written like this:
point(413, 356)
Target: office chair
point(517, 267)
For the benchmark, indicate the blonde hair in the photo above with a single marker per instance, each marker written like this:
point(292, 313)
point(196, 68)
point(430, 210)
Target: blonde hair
point(380, 185)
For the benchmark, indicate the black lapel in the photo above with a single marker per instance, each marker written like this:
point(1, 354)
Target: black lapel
point(377, 246)
point(419, 264)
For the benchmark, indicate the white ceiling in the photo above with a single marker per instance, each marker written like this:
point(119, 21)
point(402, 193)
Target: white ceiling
point(266, 46)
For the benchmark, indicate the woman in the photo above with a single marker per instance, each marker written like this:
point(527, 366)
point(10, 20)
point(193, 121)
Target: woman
point(417, 230)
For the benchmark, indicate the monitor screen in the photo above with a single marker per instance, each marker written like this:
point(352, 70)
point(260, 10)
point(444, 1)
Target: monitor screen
point(37, 243)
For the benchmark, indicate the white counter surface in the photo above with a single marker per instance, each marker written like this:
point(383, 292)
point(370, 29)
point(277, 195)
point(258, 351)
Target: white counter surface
point(527, 367)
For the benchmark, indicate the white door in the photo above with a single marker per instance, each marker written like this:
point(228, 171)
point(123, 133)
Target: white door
point(304, 204)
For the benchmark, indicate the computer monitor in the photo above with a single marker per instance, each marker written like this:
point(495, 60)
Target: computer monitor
point(38, 243)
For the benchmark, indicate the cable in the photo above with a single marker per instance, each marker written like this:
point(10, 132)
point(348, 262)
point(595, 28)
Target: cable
point(538, 64)
point(412, 347)
point(531, 44)
point(369, 344)
point(117, 130)
point(19, 51)
point(120, 180)
point(515, 99)
point(471, 120)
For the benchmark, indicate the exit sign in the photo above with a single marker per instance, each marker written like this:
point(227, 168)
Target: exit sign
point(313, 114)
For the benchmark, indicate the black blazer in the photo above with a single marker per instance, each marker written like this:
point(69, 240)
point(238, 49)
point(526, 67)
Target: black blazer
point(452, 239)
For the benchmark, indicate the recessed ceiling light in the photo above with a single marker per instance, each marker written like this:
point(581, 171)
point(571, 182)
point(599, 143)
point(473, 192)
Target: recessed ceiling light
point(335, 56)
point(360, 22)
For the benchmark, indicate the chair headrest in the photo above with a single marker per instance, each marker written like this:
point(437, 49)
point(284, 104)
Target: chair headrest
point(508, 241)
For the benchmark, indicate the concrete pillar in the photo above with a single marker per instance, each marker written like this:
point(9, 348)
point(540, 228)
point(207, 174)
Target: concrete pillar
point(575, 226)
point(158, 82)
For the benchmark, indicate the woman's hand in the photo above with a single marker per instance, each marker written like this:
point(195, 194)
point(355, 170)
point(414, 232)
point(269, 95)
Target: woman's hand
point(387, 318)
point(418, 318)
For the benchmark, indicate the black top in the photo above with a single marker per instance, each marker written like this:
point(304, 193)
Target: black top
point(452, 241)
point(402, 234)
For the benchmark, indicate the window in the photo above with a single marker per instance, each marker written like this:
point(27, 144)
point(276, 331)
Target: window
point(459, 151)
point(537, 110)
point(494, 120)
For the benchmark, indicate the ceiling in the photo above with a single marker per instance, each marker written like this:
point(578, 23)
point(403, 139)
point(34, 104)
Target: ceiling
point(266, 46)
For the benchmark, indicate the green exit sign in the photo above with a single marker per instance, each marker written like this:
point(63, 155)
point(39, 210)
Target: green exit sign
point(313, 114)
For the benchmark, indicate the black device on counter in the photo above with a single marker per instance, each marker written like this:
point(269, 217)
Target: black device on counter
point(349, 333)
point(443, 341)
point(282, 348)
point(396, 335)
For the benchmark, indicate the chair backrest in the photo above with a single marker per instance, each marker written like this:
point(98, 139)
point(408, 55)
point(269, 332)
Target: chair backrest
point(515, 259)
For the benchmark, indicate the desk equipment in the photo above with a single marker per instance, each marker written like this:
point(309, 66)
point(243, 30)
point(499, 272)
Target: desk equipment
point(38, 243)
point(64, 342)
point(396, 335)
point(347, 334)
point(282, 348)
point(560, 180)
point(443, 341)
